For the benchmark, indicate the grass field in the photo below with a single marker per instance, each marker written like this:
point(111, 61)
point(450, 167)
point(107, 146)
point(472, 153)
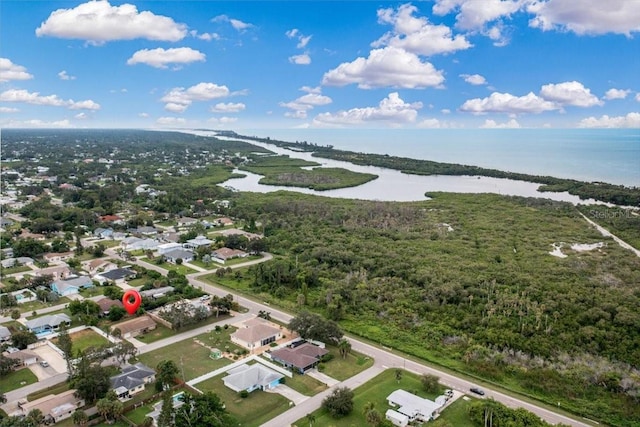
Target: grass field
point(254, 410)
point(180, 269)
point(17, 379)
point(341, 369)
point(305, 384)
point(192, 358)
point(375, 391)
point(85, 339)
point(55, 389)
point(159, 333)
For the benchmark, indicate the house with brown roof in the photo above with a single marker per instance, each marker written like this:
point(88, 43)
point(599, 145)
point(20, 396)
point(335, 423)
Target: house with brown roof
point(224, 254)
point(256, 333)
point(55, 407)
point(302, 357)
point(26, 357)
point(58, 272)
point(134, 327)
point(106, 304)
point(58, 256)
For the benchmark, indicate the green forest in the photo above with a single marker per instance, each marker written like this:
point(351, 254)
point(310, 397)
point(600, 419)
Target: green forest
point(466, 281)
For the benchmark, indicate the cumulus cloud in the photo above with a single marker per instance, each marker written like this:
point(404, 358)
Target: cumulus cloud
point(302, 59)
point(81, 116)
point(8, 110)
point(474, 79)
point(569, 93)
point(507, 103)
point(235, 23)
point(36, 123)
point(431, 124)
point(34, 98)
point(586, 16)
point(11, 71)
point(171, 121)
point(300, 106)
point(492, 124)
point(387, 67)
point(631, 120)
point(228, 107)
point(160, 58)
point(62, 75)
point(99, 22)
point(223, 120)
point(417, 34)
point(392, 111)
point(616, 94)
point(179, 99)
point(205, 36)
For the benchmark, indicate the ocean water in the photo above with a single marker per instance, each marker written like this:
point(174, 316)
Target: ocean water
point(606, 155)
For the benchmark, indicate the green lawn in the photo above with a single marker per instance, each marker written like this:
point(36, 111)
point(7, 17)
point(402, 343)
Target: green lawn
point(160, 332)
point(457, 413)
point(139, 414)
point(92, 292)
point(17, 379)
point(37, 305)
point(191, 357)
point(13, 270)
point(305, 384)
point(54, 389)
point(254, 410)
point(85, 339)
point(341, 369)
point(376, 391)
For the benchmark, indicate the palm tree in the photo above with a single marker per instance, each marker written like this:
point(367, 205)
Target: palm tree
point(80, 418)
point(369, 406)
point(345, 347)
point(311, 418)
point(36, 415)
point(398, 375)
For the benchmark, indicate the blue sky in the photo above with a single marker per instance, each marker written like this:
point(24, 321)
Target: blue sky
point(298, 64)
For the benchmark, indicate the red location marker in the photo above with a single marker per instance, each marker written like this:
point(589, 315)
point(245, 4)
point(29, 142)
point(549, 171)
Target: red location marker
point(131, 301)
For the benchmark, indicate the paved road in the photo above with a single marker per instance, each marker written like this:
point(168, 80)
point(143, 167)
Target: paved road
point(383, 359)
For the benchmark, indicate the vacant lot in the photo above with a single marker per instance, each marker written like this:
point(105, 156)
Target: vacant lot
point(85, 339)
point(253, 410)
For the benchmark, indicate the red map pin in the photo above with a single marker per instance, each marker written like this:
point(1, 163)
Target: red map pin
point(131, 301)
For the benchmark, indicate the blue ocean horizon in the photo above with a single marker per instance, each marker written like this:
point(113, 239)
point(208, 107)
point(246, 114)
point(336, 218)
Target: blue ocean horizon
point(603, 155)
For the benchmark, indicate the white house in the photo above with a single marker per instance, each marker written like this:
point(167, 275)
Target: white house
point(132, 380)
point(167, 247)
point(200, 241)
point(250, 378)
point(396, 418)
point(176, 254)
point(414, 407)
point(256, 333)
point(56, 407)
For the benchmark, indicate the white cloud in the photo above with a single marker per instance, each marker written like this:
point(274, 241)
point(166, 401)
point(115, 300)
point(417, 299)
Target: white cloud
point(171, 121)
point(64, 76)
point(303, 41)
point(83, 105)
point(100, 22)
point(569, 93)
point(491, 124)
point(302, 59)
point(417, 35)
point(143, 115)
point(179, 99)
point(387, 67)
point(159, 58)
point(36, 123)
point(474, 79)
point(430, 124)
point(11, 71)
point(81, 116)
point(235, 23)
point(445, 111)
point(175, 108)
point(638, 96)
point(473, 14)
point(8, 110)
point(616, 94)
point(34, 98)
point(292, 33)
point(302, 104)
point(205, 36)
point(392, 111)
point(631, 120)
point(506, 103)
point(223, 120)
point(586, 16)
point(228, 108)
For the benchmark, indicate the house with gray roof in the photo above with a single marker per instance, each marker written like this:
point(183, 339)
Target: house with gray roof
point(132, 380)
point(117, 275)
point(71, 286)
point(157, 292)
point(254, 377)
point(47, 324)
point(176, 254)
point(5, 334)
point(199, 241)
point(301, 358)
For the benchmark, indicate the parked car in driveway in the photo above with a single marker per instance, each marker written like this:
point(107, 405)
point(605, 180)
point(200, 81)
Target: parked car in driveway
point(477, 390)
point(44, 364)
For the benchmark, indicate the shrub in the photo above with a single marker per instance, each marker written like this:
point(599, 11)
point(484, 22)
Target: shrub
point(244, 394)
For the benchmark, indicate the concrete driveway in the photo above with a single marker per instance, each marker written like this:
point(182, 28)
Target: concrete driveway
point(57, 364)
